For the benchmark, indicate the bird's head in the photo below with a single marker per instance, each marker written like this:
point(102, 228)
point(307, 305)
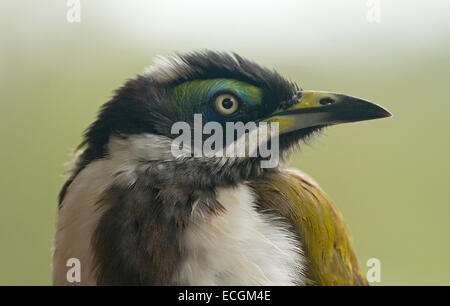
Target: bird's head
point(223, 88)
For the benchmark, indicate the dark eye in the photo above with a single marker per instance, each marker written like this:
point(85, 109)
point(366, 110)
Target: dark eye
point(226, 104)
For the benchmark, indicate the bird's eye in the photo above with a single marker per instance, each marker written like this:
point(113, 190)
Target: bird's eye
point(226, 104)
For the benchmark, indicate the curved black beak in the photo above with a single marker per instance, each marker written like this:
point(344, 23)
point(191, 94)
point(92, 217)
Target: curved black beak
point(316, 108)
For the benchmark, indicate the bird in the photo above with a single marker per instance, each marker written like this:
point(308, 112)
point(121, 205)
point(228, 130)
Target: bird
point(133, 213)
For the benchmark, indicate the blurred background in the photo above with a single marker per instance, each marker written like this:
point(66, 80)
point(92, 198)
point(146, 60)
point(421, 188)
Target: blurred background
point(388, 177)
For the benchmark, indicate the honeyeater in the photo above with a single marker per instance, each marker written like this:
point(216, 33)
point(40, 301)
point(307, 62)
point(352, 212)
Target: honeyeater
point(134, 213)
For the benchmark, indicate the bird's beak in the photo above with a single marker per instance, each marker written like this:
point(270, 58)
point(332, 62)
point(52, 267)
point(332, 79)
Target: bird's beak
point(317, 108)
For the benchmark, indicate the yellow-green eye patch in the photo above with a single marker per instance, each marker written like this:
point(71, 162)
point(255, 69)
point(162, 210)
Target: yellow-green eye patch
point(222, 95)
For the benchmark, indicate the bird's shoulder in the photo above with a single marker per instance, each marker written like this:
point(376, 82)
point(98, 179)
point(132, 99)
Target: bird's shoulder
point(329, 254)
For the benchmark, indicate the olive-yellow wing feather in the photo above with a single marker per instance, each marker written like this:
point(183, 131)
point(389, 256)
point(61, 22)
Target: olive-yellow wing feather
point(326, 242)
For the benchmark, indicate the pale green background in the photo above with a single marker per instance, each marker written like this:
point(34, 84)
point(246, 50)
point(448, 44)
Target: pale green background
point(390, 178)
